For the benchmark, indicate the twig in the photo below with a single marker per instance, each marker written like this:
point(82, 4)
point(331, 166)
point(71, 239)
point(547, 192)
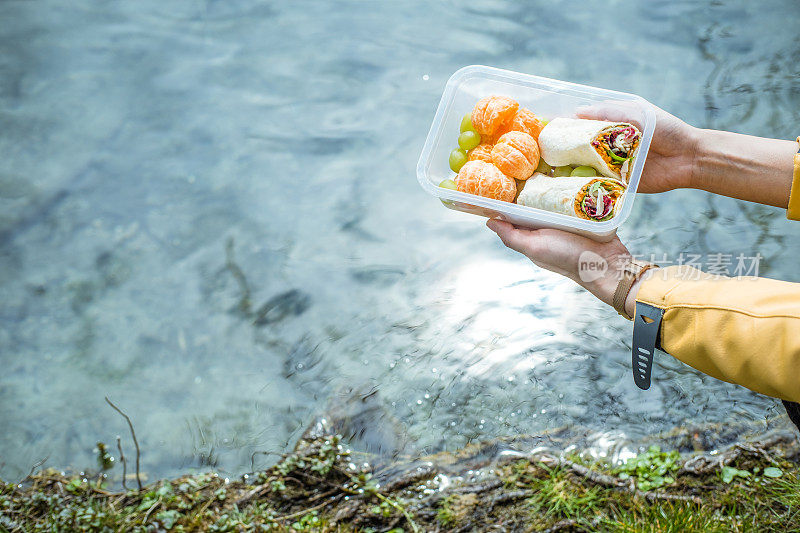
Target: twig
point(664, 496)
point(611, 481)
point(758, 450)
point(308, 510)
point(133, 434)
point(596, 477)
point(469, 526)
point(323, 495)
point(36, 465)
point(401, 509)
point(147, 515)
point(511, 496)
point(256, 492)
point(409, 478)
point(569, 524)
point(558, 526)
point(705, 462)
point(476, 489)
point(124, 463)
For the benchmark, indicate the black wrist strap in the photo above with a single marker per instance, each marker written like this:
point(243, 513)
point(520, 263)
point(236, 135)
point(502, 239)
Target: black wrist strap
point(646, 324)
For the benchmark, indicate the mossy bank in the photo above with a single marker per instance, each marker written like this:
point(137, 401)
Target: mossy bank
point(323, 486)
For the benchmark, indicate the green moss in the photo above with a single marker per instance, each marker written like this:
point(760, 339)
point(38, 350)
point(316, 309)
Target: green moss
point(668, 518)
point(317, 488)
point(651, 470)
point(559, 496)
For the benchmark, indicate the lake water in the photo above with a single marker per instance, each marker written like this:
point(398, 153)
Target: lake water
point(209, 214)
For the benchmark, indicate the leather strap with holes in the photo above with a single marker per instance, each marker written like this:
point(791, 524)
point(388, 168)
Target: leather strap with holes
point(630, 273)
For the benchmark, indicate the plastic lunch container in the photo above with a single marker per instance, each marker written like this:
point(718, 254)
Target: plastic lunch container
point(547, 98)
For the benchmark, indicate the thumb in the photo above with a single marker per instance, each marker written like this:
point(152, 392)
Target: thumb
point(612, 111)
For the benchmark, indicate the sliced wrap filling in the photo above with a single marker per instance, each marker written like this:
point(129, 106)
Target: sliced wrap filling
point(616, 144)
point(596, 199)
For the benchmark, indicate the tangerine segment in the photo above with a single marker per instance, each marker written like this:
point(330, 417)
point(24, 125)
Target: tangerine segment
point(482, 152)
point(527, 122)
point(484, 179)
point(516, 154)
point(492, 113)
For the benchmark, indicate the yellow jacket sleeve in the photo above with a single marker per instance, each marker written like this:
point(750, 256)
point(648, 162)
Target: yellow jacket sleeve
point(793, 211)
point(741, 330)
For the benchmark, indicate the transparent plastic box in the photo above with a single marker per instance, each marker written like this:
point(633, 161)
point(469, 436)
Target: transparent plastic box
point(545, 97)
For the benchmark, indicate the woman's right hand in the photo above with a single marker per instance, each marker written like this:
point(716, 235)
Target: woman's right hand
point(671, 160)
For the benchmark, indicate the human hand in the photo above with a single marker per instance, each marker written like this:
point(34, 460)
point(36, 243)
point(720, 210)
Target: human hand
point(671, 159)
point(561, 252)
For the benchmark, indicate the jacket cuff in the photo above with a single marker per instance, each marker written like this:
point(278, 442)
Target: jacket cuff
point(793, 211)
point(655, 289)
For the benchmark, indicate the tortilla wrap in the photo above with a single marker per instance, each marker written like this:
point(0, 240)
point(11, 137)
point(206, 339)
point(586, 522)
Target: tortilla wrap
point(565, 194)
point(568, 141)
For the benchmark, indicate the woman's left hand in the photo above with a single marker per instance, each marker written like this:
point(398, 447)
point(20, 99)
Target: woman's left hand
point(596, 266)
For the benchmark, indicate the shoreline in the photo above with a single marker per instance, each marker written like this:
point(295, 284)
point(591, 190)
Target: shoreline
point(324, 486)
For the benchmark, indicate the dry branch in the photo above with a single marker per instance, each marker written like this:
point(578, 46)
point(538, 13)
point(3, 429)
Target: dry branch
point(133, 434)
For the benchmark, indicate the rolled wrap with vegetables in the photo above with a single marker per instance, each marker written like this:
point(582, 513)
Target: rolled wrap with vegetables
point(574, 196)
point(606, 146)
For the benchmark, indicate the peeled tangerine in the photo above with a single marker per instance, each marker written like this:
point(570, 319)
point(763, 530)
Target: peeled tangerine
point(492, 113)
point(516, 154)
point(484, 179)
point(482, 152)
point(527, 122)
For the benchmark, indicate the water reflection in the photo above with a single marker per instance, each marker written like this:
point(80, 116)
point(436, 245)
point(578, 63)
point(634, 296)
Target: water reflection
point(209, 214)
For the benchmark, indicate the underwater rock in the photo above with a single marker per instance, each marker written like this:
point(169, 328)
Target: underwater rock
point(286, 304)
point(361, 418)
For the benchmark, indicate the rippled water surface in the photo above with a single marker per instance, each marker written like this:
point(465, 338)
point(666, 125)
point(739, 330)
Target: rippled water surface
point(209, 213)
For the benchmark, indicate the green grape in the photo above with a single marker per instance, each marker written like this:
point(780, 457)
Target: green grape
point(560, 172)
point(469, 140)
point(466, 123)
point(448, 184)
point(544, 168)
point(583, 171)
point(457, 159)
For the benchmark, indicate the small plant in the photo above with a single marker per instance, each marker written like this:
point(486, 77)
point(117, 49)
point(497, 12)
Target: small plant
point(104, 459)
point(308, 522)
point(651, 470)
point(446, 515)
point(727, 473)
point(557, 496)
point(384, 509)
point(75, 485)
point(168, 518)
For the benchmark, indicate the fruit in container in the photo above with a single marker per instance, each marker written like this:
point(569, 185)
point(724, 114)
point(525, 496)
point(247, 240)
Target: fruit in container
point(516, 154)
point(469, 140)
point(562, 171)
point(485, 179)
point(493, 113)
point(583, 171)
point(544, 168)
point(457, 159)
point(466, 123)
point(482, 152)
point(527, 122)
